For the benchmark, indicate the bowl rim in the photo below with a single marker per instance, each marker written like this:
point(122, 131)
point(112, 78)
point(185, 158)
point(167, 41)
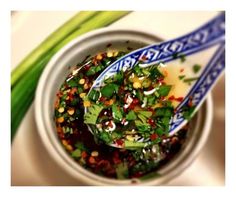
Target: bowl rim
point(87, 176)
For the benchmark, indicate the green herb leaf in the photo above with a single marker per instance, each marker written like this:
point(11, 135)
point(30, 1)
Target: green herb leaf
point(72, 83)
point(137, 70)
point(189, 80)
point(141, 126)
point(109, 89)
point(164, 111)
point(164, 90)
point(76, 153)
point(119, 78)
point(146, 114)
point(155, 73)
point(181, 77)
point(188, 112)
point(116, 113)
point(182, 57)
point(104, 136)
point(91, 71)
point(94, 95)
point(196, 68)
point(93, 112)
point(131, 144)
point(131, 116)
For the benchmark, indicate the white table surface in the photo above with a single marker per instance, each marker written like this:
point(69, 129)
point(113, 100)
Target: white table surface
point(30, 163)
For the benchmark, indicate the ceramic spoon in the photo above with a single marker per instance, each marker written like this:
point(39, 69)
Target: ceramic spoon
point(210, 35)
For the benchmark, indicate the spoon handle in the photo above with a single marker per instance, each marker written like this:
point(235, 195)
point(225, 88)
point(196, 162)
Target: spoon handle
point(198, 93)
point(202, 38)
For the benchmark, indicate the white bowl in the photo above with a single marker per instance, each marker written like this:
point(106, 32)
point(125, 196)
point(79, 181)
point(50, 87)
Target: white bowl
point(56, 72)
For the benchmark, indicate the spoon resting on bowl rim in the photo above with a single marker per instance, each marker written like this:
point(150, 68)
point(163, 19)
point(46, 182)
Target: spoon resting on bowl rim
point(210, 36)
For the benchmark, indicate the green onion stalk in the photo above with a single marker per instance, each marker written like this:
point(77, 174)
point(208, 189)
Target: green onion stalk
point(25, 77)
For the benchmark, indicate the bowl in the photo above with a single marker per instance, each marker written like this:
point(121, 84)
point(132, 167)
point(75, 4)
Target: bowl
point(55, 73)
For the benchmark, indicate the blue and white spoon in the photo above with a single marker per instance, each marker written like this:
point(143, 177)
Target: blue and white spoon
point(210, 35)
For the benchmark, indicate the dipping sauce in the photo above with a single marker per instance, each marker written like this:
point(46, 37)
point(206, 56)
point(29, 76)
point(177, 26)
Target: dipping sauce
point(152, 111)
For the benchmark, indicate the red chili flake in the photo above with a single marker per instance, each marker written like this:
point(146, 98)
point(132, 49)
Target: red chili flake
point(73, 91)
point(84, 154)
point(129, 48)
point(110, 124)
point(135, 101)
point(132, 106)
point(109, 45)
point(92, 160)
point(119, 142)
point(162, 98)
point(190, 103)
point(151, 122)
point(102, 99)
point(137, 175)
point(87, 67)
point(59, 94)
point(181, 70)
point(179, 99)
point(173, 98)
point(116, 158)
point(143, 58)
point(153, 136)
point(160, 80)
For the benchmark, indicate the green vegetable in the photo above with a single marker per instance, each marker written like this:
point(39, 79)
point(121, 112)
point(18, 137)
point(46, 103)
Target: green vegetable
point(25, 77)
point(76, 153)
point(116, 113)
point(142, 126)
point(131, 144)
point(49, 43)
point(196, 68)
point(131, 116)
point(94, 95)
point(122, 171)
point(181, 77)
point(164, 111)
point(137, 70)
point(92, 114)
point(155, 73)
point(109, 89)
point(189, 80)
point(188, 112)
point(164, 90)
point(119, 77)
point(146, 114)
point(104, 136)
point(91, 71)
point(182, 57)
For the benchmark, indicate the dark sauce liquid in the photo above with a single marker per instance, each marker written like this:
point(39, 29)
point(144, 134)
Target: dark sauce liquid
point(94, 155)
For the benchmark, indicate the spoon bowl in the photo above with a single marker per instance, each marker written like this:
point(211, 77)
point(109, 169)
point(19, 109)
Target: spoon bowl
point(209, 36)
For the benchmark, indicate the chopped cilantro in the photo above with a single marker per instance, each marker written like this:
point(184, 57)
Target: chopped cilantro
point(109, 89)
point(94, 95)
point(116, 113)
point(181, 77)
point(93, 112)
point(189, 80)
point(164, 90)
point(131, 116)
point(196, 68)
